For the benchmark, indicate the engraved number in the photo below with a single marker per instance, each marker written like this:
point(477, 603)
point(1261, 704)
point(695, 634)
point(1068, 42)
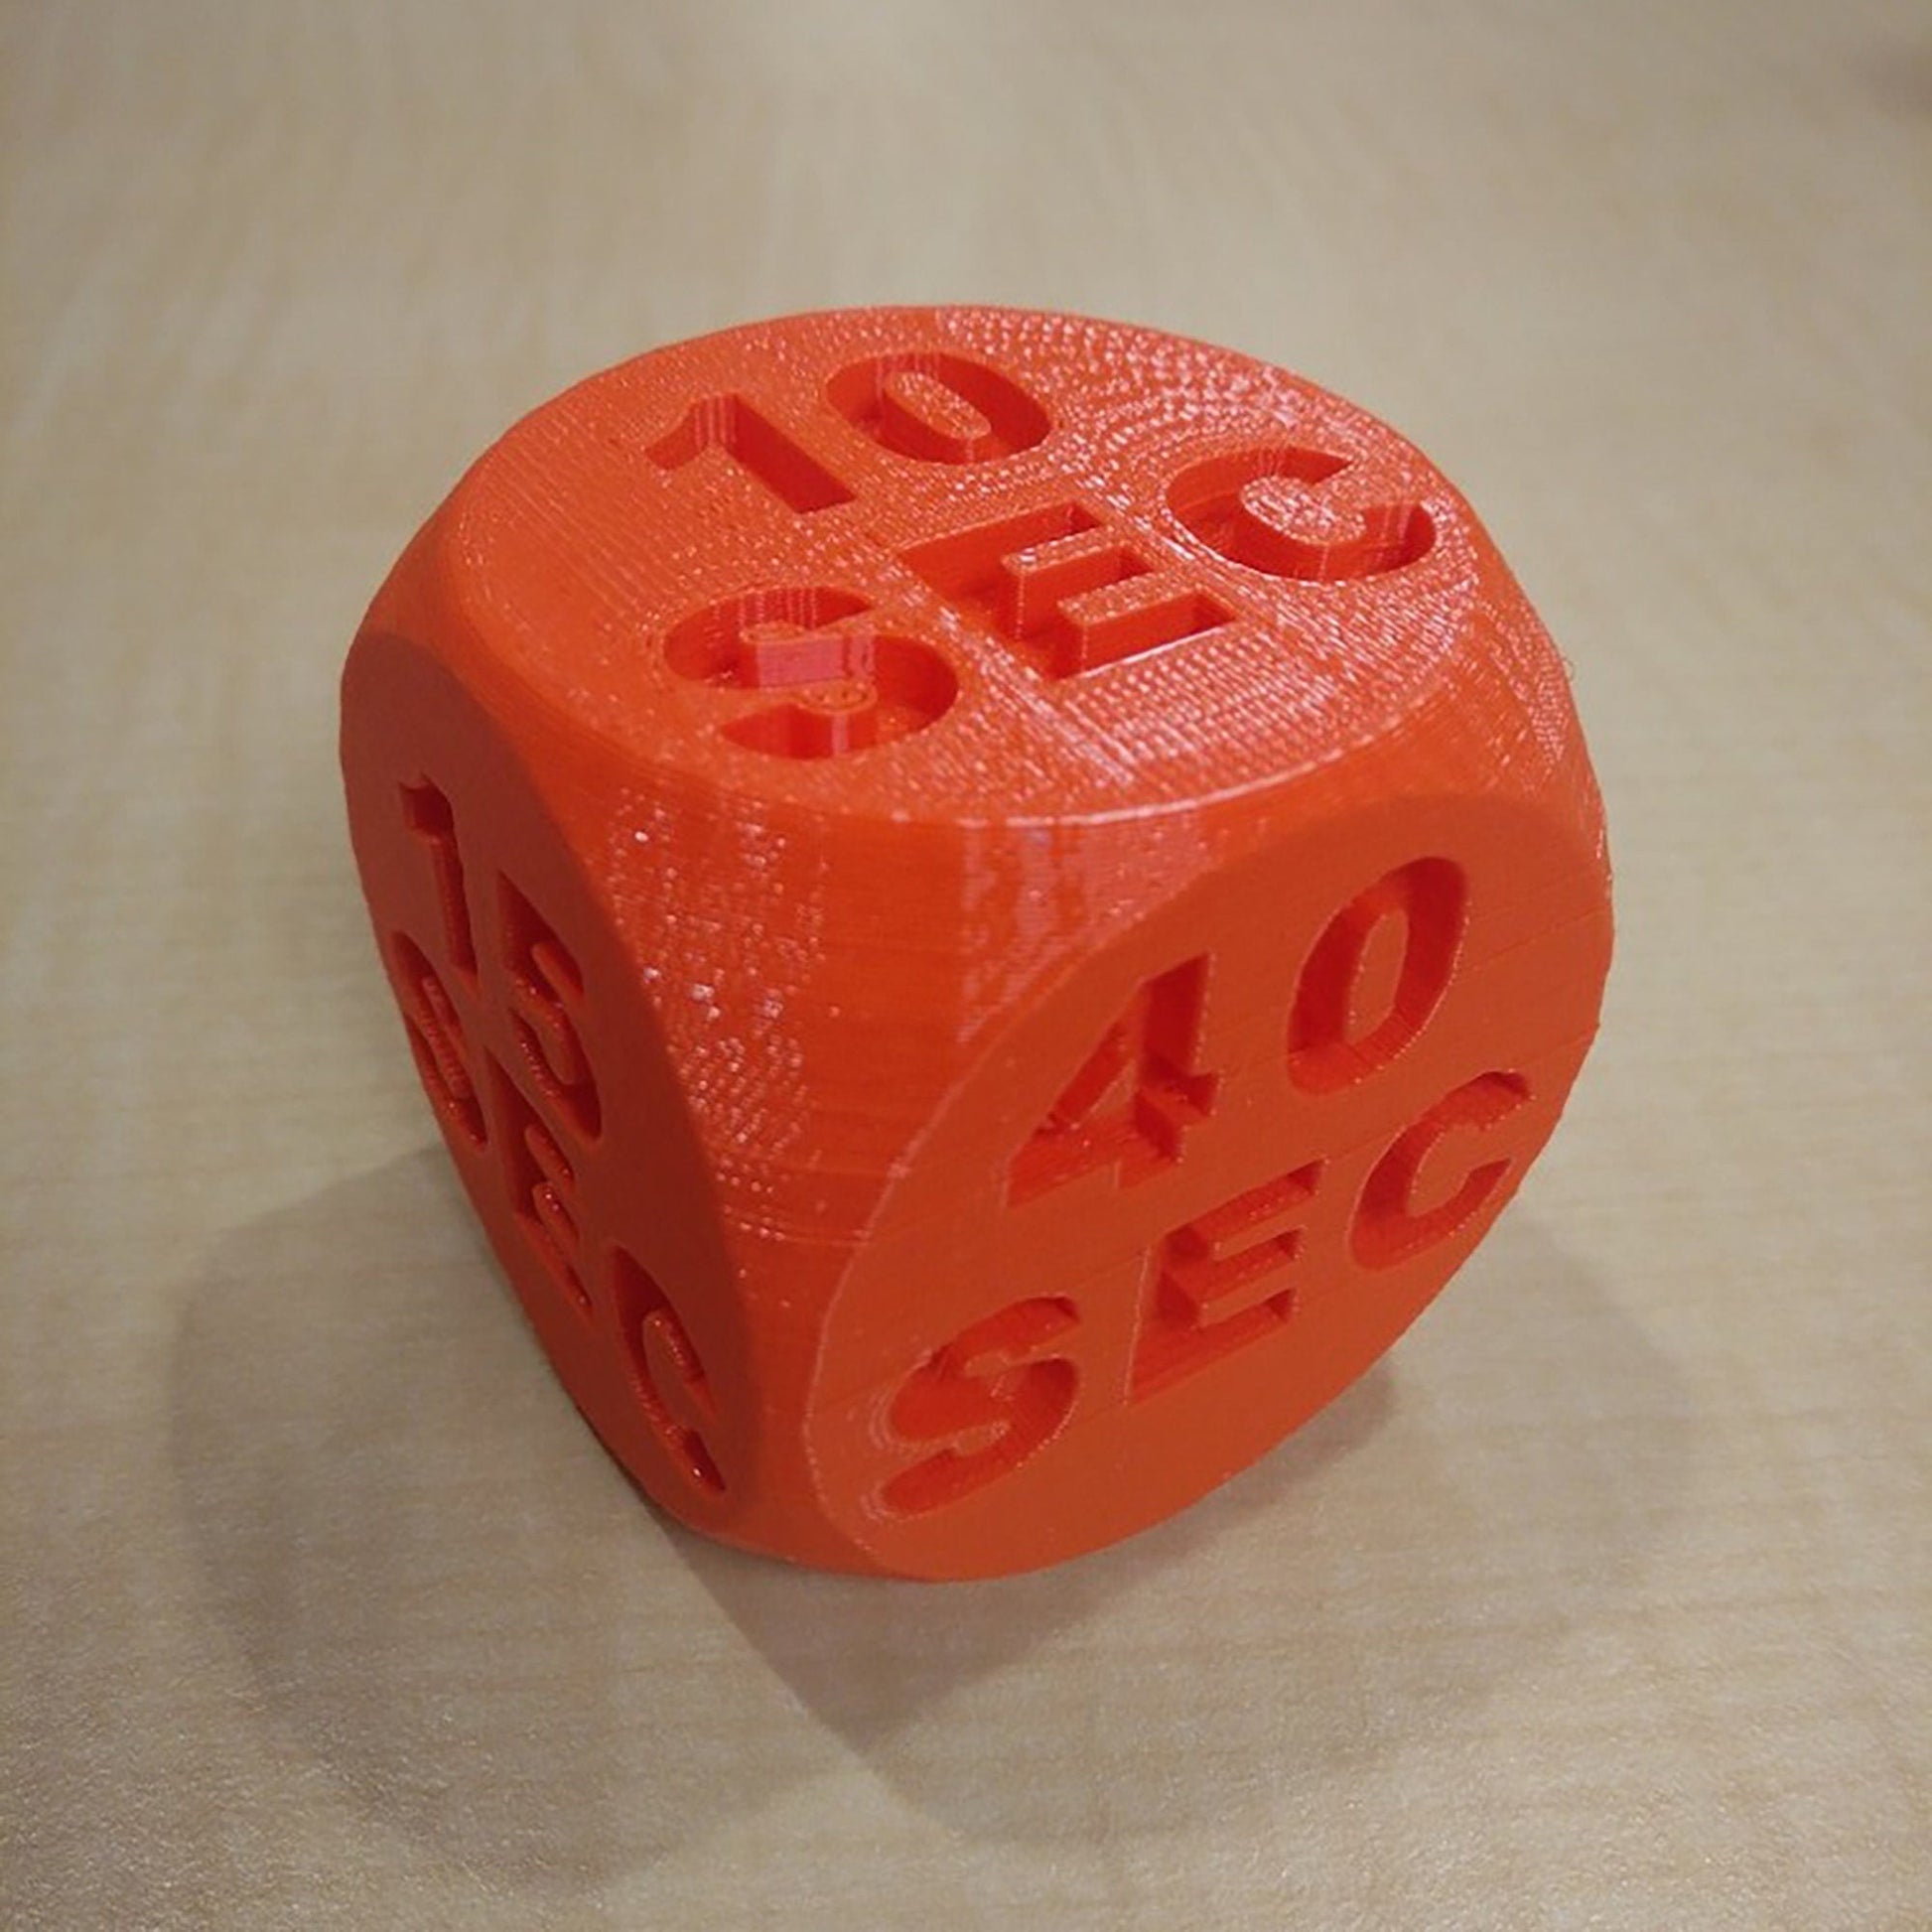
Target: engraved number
point(1376, 975)
point(847, 685)
point(545, 984)
point(1134, 1097)
point(758, 446)
point(938, 407)
point(428, 814)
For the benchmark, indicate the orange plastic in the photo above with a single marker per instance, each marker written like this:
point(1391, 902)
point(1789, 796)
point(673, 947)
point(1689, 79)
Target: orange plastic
point(988, 904)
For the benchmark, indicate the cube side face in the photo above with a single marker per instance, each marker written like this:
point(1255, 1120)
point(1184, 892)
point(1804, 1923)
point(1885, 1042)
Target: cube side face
point(548, 1074)
point(988, 903)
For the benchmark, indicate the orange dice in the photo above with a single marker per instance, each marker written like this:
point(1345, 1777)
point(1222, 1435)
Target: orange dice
point(988, 903)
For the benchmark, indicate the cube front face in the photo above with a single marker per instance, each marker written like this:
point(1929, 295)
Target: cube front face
point(1203, 1184)
point(988, 903)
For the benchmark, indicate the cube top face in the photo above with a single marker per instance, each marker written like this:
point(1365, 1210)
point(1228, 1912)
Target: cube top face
point(1032, 566)
point(988, 904)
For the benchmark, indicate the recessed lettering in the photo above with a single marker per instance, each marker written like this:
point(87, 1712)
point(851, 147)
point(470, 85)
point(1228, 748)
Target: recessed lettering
point(666, 1374)
point(1133, 1100)
point(843, 684)
point(1376, 975)
point(1223, 1281)
point(541, 1184)
point(428, 814)
point(938, 407)
point(1267, 509)
point(437, 1041)
point(1393, 1222)
point(732, 426)
point(1065, 589)
point(995, 1395)
point(546, 987)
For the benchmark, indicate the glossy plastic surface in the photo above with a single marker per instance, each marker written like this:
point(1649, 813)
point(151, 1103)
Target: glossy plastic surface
point(989, 903)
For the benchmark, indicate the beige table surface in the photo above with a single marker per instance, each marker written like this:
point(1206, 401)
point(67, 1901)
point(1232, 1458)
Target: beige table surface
point(1606, 1600)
